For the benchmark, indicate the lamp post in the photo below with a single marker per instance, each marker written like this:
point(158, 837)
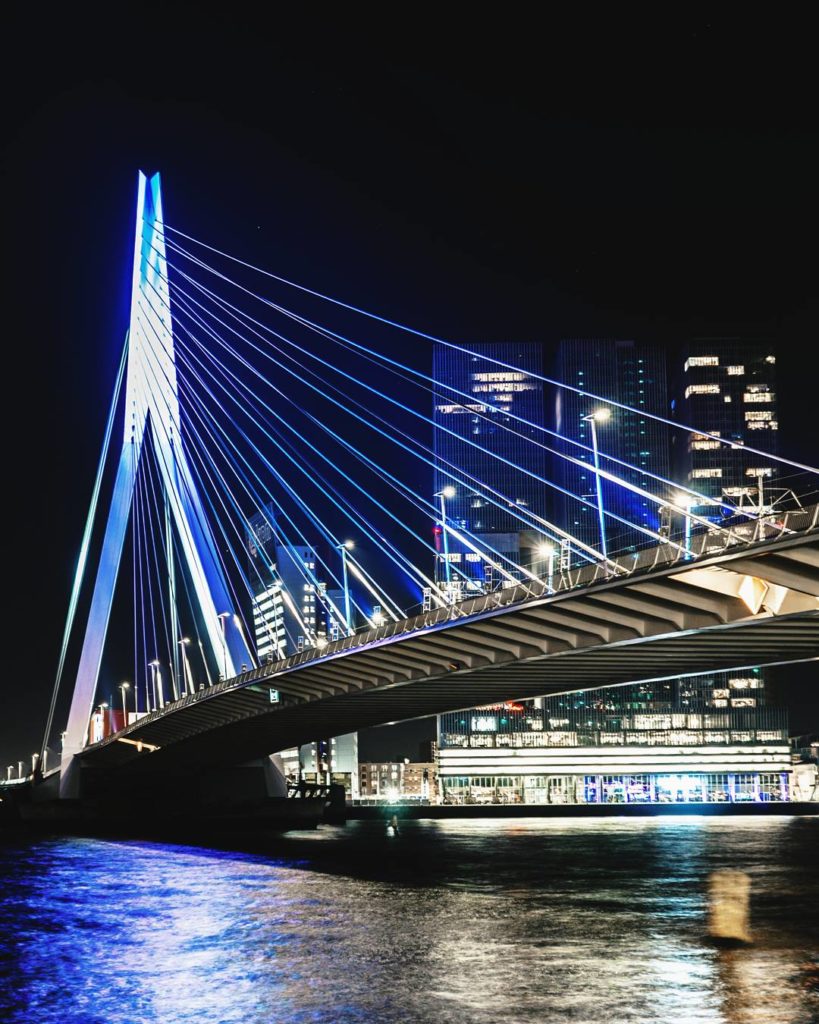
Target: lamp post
point(123, 687)
point(154, 667)
point(547, 551)
point(222, 617)
point(346, 546)
point(598, 416)
point(101, 712)
point(684, 501)
point(443, 494)
point(186, 665)
point(205, 662)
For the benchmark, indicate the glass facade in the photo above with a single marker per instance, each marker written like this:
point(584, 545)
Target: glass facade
point(661, 743)
point(634, 375)
point(486, 455)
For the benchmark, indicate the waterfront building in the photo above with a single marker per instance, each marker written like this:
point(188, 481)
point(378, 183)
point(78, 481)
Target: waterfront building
point(398, 780)
point(667, 742)
point(727, 387)
point(476, 435)
point(632, 374)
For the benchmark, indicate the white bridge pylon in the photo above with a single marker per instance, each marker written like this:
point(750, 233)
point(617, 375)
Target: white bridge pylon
point(151, 390)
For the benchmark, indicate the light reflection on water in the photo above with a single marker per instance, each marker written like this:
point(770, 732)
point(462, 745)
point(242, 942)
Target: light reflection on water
point(464, 921)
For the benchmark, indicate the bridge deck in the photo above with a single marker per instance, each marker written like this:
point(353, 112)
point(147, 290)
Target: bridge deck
point(747, 604)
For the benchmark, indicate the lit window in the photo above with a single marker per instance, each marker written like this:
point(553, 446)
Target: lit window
point(770, 359)
point(701, 361)
point(735, 371)
point(499, 376)
point(701, 446)
point(706, 474)
point(754, 414)
point(758, 396)
point(702, 389)
point(761, 471)
point(727, 399)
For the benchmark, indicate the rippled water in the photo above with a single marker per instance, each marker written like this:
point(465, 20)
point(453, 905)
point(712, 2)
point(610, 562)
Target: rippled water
point(469, 921)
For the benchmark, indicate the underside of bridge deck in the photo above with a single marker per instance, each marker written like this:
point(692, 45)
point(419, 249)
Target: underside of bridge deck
point(755, 608)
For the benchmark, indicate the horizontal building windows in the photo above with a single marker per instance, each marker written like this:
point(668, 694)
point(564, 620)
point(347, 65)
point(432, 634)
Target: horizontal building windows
point(702, 446)
point(761, 471)
point(757, 415)
point(448, 409)
point(735, 371)
point(505, 387)
point(761, 397)
point(759, 425)
point(502, 375)
point(701, 361)
point(711, 473)
point(702, 389)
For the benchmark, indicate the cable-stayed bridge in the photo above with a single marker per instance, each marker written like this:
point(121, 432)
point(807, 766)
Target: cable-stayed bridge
point(241, 426)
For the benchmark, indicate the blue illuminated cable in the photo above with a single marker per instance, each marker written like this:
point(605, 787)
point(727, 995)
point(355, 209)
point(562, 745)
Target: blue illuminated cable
point(160, 599)
point(508, 505)
point(136, 617)
point(394, 439)
point(465, 440)
point(204, 525)
point(316, 450)
point(227, 576)
point(307, 574)
point(380, 470)
point(313, 474)
point(155, 471)
point(137, 530)
point(390, 364)
point(79, 572)
point(144, 578)
point(498, 362)
point(245, 410)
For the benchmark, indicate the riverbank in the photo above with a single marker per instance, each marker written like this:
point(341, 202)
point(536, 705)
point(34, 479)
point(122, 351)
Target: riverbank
point(462, 811)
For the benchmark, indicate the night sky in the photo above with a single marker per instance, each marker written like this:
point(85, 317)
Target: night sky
point(517, 181)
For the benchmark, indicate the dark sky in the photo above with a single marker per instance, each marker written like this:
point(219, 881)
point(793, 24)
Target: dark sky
point(626, 176)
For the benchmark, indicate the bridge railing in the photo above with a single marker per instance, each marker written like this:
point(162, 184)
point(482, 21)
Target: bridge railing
point(701, 545)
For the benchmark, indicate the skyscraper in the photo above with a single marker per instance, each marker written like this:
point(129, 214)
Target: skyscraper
point(485, 456)
point(293, 609)
point(632, 374)
point(727, 387)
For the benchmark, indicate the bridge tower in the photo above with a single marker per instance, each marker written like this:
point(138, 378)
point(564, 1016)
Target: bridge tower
point(151, 391)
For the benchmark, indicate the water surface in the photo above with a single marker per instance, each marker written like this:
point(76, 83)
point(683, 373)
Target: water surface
point(468, 922)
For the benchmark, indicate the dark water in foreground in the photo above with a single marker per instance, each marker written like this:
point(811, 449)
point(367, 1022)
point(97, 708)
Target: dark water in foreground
point(463, 921)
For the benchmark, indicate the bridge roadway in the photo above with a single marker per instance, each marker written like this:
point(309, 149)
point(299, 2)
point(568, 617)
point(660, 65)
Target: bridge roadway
point(737, 602)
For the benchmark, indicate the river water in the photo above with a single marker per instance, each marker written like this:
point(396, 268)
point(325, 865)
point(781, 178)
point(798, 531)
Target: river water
point(469, 922)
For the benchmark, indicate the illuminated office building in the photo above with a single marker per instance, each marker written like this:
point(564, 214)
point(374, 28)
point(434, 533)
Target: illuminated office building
point(293, 610)
point(669, 742)
point(477, 436)
point(727, 387)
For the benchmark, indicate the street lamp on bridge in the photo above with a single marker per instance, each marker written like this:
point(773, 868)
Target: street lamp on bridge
point(223, 616)
point(598, 416)
point(547, 551)
point(443, 494)
point(123, 687)
point(183, 643)
point(344, 547)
